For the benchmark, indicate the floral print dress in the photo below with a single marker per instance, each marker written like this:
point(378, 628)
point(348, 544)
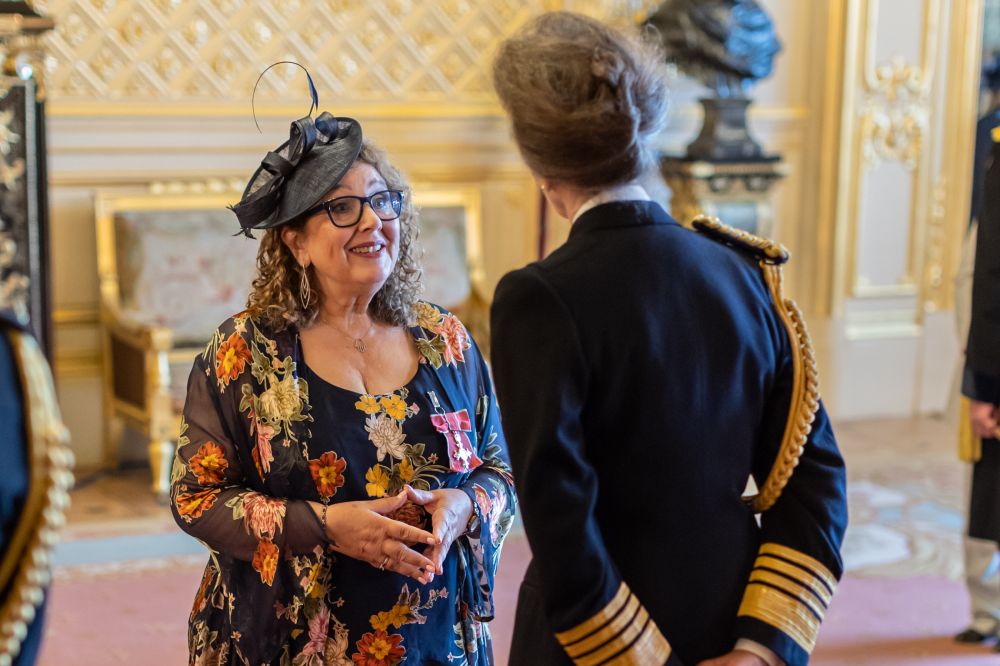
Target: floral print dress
point(262, 434)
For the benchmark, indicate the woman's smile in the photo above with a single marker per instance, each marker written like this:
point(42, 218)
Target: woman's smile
point(369, 250)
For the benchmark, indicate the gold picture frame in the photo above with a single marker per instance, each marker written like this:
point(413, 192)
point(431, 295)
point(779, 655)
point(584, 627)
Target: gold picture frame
point(451, 235)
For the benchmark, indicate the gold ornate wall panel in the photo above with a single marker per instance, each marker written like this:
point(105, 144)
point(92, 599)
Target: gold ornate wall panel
point(202, 56)
point(892, 82)
point(952, 191)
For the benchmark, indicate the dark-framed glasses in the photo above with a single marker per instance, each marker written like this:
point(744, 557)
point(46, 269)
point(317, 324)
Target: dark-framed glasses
point(346, 211)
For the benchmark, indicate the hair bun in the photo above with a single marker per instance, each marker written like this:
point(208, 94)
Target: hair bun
point(607, 66)
point(584, 98)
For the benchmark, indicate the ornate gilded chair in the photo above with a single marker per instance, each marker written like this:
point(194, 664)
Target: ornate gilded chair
point(170, 272)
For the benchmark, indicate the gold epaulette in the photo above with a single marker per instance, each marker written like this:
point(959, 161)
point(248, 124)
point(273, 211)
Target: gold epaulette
point(805, 383)
point(995, 133)
point(763, 248)
point(25, 565)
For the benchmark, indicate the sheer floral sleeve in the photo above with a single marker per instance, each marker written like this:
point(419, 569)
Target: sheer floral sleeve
point(491, 488)
point(230, 421)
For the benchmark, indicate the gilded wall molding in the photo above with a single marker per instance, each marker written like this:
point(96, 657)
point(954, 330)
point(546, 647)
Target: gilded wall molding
point(894, 121)
point(952, 190)
point(897, 94)
point(386, 57)
point(893, 99)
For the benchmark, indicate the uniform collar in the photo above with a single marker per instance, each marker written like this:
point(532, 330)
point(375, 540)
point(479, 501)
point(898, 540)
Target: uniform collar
point(626, 192)
point(621, 213)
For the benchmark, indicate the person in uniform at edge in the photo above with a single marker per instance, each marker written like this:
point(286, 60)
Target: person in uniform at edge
point(341, 452)
point(981, 386)
point(35, 462)
point(645, 373)
point(14, 463)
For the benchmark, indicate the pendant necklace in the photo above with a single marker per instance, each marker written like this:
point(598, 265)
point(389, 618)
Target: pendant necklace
point(359, 344)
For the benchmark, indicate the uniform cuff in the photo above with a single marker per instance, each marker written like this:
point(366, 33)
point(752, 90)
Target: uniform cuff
point(622, 633)
point(761, 651)
point(789, 591)
point(980, 386)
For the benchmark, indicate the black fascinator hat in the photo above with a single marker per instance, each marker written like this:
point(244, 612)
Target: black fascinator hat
point(295, 176)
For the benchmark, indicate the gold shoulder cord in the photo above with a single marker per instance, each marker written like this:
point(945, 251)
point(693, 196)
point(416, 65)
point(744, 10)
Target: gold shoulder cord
point(25, 568)
point(805, 383)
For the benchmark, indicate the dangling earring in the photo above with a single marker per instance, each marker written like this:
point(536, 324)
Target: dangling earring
point(305, 291)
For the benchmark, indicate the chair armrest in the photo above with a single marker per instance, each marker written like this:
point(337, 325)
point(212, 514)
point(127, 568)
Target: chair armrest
point(145, 337)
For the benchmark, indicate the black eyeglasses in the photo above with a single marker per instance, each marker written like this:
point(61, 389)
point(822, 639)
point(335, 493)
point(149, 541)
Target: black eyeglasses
point(346, 211)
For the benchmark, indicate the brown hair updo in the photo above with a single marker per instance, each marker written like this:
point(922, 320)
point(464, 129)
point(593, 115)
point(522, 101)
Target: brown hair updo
point(275, 296)
point(584, 98)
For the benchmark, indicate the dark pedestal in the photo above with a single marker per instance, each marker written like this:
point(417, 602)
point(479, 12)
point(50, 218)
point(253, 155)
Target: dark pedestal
point(738, 193)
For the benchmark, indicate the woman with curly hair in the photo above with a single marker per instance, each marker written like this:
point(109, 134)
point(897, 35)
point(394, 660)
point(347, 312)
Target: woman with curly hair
point(341, 453)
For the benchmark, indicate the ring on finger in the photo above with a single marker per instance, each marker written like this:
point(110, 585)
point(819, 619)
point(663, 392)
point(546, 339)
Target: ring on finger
point(381, 567)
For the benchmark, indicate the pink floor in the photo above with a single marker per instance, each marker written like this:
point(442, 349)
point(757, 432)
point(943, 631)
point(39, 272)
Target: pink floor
point(106, 619)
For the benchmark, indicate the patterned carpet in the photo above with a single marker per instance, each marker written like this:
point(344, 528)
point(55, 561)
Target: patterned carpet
point(125, 576)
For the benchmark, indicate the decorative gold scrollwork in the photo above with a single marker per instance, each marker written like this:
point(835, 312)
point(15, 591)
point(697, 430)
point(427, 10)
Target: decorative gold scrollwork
point(894, 120)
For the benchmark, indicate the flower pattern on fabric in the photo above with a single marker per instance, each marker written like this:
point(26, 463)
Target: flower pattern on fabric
point(394, 406)
point(328, 474)
point(230, 359)
point(265, 560)
point(386, 434)
point(450, 340)
point(262, 516)
point(262, 454)
point(368, 404)
point(412, 514)
point(209, 464)
point(379, 649)
point(191, 505)
point(456, 339)
point(254, 447)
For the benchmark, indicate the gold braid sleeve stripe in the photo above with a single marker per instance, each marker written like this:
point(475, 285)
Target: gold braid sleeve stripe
point(601, 618)
point(782, 612)
point(24, 568)
point(651, 648)
point(800, 592)
point(805, 382)
point(816, 586)
point(805, 561)
point(621, 633)
point(790, 591)
point(618, 624)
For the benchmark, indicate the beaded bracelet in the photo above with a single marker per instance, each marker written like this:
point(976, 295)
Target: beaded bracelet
point(322, 518)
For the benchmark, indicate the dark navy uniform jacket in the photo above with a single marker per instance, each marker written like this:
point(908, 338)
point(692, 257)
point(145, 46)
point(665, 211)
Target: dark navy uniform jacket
point(981, 379)
point(644, 374)
point(14, 463)
point(981, 158)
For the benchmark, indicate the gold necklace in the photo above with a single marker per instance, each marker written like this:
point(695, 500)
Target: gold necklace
point(360, 345)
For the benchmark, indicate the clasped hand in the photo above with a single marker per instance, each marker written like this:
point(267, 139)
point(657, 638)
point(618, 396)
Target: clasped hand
point(362, 530)
point(984, 417)
point(450, 510)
